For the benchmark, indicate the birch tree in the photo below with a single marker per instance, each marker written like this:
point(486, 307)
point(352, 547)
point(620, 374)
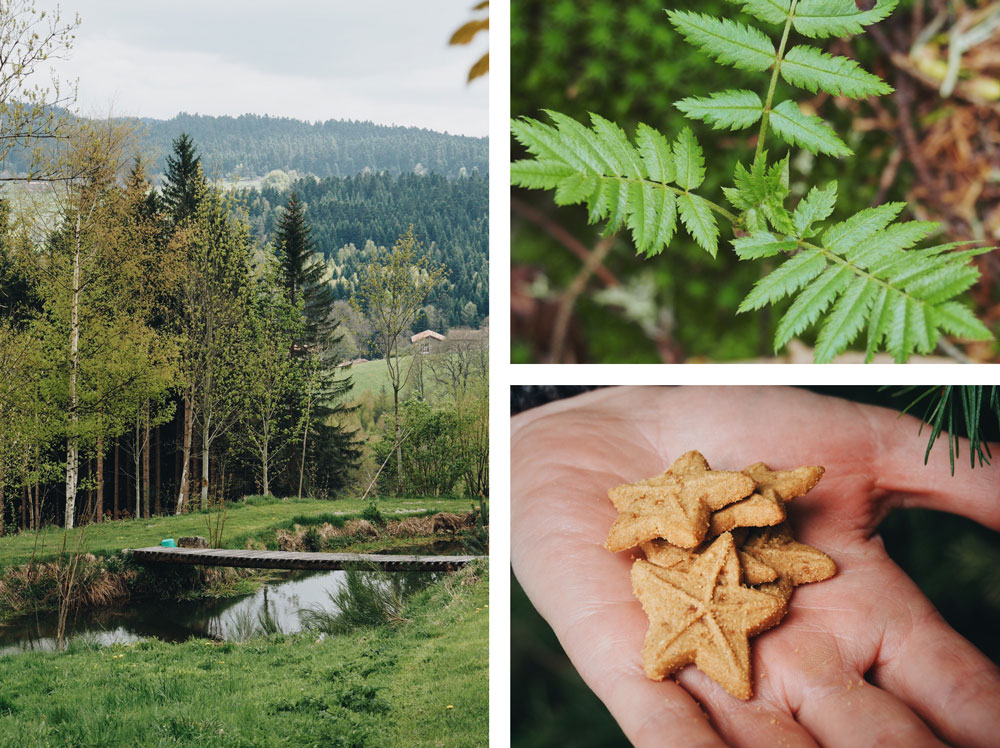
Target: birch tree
point(391, 290)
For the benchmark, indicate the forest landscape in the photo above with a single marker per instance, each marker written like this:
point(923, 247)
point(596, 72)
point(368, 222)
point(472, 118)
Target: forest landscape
point(255, 318)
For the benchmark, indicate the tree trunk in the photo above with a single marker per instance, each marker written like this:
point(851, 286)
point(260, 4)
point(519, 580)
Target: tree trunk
point(116, 513)
point(399, 444)
point(2, 507)
point(204, 465)
point(305, 438)
point(99, 508)
point(73, 441)
point(137, 464)
point(146, 444)
point(267, 490)
point(24, 507)
point(186, 460)
point(156, 461)
point(36, 505)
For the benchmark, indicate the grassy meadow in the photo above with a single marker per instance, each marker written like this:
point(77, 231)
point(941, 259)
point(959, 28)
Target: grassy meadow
point(252, 518)
point(421, 682)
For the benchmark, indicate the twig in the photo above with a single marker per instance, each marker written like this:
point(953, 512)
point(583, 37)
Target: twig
point(562, 236)
point(568, 299)
point(392, 451)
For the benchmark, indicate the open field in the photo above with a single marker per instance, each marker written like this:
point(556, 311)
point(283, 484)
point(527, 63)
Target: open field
point(419, 683)
point(242, 521)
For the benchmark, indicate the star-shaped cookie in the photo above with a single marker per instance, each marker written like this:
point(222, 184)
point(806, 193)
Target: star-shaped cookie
point(675, 505)
point(703, 616)
point(766, 505)
point(796, 563)
point(661, 553)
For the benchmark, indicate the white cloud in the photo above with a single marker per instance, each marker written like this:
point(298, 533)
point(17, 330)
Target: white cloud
point(378, 60)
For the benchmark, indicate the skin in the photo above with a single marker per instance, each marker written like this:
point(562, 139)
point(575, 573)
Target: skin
point(861, 659)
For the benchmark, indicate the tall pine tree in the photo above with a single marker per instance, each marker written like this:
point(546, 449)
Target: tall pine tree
point(303, 274)
point(184, 179)
point(330, 450)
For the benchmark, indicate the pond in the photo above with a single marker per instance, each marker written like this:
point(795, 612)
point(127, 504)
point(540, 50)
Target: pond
point(233, 618)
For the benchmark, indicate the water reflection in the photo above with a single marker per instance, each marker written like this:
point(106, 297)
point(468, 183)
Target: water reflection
point(275, 606)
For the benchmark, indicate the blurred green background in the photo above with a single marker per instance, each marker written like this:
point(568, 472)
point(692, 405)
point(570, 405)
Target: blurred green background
point(623, 60)
point(550, 704)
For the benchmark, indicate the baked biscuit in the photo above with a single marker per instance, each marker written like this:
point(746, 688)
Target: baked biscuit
point(766, 505)
point(674, 505)
point(703, 615)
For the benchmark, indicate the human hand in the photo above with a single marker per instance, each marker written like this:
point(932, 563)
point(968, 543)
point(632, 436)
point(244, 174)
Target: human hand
point(860, 659)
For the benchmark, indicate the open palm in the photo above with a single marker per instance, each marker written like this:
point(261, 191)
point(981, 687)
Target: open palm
point(860, 659)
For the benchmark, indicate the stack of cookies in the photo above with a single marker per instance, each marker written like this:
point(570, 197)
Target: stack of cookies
point(720, 562)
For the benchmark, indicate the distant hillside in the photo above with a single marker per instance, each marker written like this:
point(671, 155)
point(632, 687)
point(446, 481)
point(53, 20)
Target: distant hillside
point(351, 215)
point(253, 145)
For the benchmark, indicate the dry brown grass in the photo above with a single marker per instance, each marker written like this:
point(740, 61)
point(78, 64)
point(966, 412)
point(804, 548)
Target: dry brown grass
point(361, 527)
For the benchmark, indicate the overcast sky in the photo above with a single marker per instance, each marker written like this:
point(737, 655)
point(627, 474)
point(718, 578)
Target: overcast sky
point(381, 60)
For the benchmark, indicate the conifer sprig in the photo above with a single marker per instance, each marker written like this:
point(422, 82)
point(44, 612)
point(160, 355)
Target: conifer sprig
point(862, 272)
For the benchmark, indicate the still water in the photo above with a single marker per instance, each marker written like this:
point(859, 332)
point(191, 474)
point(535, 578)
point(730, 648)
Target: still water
point(179, 620)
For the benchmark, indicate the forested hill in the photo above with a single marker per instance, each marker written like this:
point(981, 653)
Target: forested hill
point(449, 216)
point(252, 145)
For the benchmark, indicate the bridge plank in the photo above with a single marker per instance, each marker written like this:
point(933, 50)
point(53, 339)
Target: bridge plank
point(296, 560)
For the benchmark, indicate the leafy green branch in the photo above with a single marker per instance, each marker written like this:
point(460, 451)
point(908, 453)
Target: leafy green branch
point(863, 271)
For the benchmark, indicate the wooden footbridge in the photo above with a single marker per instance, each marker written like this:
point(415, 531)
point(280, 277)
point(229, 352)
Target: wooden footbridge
point(294, 560)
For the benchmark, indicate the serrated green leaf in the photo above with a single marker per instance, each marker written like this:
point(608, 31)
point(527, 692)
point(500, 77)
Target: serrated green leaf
point(786, 279)
point(958, 320)
point(845, 321)
point(731, 110)
point(644, 212)
point(806, 130)
point(575, 189)
point(878, 322)
point(546, 143)
point(726, 41)
point(538, 175)
point(822, 18)
point(881, 250)
point(605, 199)
point(698, 219)
point(667, 223)
point(617, 148)
point(656, 154)
point(582, 140)
point(841, 237)
point(812, 69)
point(811, 303)
point(818, 205)
point(764, 244)
point(617, 181)
point(942, 283)
point(689, 161)
point(907, 331)
point(769, 11)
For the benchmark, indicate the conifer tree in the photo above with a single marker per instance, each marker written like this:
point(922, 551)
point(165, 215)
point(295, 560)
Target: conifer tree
point(302, 273)
point(184, 178)
point(329, 448)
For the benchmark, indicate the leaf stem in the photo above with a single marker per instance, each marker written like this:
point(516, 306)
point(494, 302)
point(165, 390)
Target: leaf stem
point(766, 116)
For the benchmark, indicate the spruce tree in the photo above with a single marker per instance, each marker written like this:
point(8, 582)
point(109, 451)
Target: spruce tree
point(331, 451)
point(183, 179)
point(302, 274)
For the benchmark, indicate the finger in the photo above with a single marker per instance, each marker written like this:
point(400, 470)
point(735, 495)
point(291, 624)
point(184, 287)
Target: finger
point(559, 519)
point(841, 709)
point(760, 721)
point(898, 466)
point(653, 715)
point(946, 680)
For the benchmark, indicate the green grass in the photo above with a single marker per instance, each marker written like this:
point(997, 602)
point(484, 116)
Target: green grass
point(253, 519)
point(374, 376)
point(390, 686)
